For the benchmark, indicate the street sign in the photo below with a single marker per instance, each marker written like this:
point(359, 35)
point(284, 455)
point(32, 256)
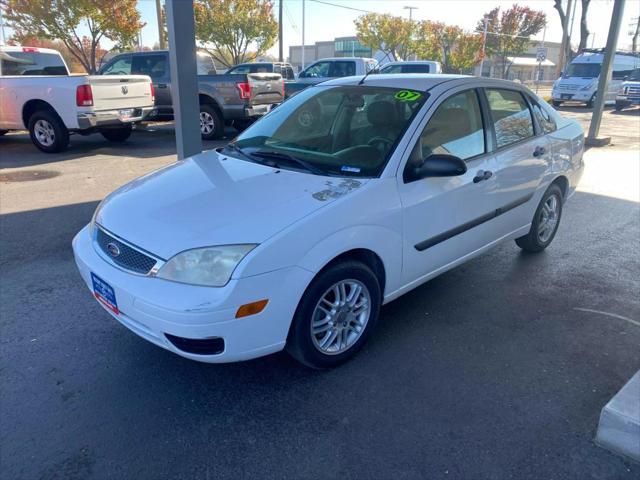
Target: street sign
point(541, 54)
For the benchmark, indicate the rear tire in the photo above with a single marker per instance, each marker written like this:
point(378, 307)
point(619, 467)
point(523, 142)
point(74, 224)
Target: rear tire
point(47, 131)
point(545, 222)
point(117, 134)
point(211, 123)
point(335, 316)
point(589, 104)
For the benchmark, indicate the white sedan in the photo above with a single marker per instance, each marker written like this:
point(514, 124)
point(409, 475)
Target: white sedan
point(345, 197)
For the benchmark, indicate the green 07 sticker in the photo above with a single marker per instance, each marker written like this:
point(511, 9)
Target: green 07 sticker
point(407, 95)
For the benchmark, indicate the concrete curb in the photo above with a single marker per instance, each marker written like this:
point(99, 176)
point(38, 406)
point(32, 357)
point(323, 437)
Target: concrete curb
point(619, 426)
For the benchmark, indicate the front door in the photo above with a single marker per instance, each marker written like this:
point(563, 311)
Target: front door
point(445, 219)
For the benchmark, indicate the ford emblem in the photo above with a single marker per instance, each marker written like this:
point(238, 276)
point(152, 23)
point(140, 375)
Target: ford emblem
point(124, 89)
point(113, 249)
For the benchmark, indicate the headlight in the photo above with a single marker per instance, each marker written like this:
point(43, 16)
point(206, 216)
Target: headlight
point(209, 266)
point(589, 85)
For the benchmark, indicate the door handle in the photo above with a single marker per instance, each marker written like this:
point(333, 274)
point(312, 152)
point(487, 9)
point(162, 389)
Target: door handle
point(482, 175)
point(539, 151)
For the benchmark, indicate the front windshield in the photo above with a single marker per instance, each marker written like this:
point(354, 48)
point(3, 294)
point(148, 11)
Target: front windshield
point(583, 70)
point(336, 130)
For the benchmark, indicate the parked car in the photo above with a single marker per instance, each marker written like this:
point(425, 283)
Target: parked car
point(579, 81)
point(294, 235)
point(417, 66)
point(224, 99)
point(328, 68)
point(284, 69)
point(629, 91)
point(38, 93)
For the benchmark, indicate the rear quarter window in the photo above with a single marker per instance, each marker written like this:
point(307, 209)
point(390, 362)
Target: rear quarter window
point(511, 116)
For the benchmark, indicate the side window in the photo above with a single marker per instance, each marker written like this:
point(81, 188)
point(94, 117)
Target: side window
point(543, 116)
point(289, 74)
point(205, 65)
point(319, 70)
point(621, 74)
point(121, 66)
point(416, 68)
point(392, 69)
point(455, 128)
point(511, 116)
point(152, 65)
point(343, 69)
point(243, 69)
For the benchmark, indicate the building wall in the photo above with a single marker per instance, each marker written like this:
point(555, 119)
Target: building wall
point(526, 73)
point(338, 47)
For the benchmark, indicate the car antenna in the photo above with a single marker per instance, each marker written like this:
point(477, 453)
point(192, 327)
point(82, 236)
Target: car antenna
point(372, 70)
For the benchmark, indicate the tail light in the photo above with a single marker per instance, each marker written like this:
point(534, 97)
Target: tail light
point(153, 92)
point(30, 49)
point(245, 90)
point(84, 96)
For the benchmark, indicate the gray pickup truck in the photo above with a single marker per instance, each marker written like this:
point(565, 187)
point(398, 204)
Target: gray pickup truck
point(225, 99)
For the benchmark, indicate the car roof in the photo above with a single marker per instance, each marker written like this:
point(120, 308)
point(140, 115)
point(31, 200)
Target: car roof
point(424, 81)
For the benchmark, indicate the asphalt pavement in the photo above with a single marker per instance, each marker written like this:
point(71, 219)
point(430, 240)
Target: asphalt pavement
point(497, 369)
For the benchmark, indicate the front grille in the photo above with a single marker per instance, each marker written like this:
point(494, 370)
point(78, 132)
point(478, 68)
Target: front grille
point(568, 87)
point(128, 258)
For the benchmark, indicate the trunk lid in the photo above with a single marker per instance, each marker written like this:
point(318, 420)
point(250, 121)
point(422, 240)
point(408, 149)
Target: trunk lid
point(266, 88)
point(115, 92)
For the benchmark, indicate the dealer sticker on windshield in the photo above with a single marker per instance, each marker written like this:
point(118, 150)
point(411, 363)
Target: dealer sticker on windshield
point(407, 95)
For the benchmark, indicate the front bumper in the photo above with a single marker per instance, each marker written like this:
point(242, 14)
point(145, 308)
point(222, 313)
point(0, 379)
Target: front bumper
point(111, 118)
point(571, 96)
point(152, 307)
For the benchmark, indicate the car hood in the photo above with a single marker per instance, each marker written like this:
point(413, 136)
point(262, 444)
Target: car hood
point(213, 199)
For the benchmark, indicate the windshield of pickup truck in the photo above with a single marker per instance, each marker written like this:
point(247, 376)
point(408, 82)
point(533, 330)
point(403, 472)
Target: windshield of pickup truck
point(342, 130)
point(583, 70)
point(32, 63)
point(634, 76)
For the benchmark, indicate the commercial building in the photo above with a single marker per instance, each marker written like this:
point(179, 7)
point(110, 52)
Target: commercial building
point(338, 47)
point(525, 66)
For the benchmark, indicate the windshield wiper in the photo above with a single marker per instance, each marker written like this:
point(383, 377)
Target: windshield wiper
point(233, 147)
point(269, 154)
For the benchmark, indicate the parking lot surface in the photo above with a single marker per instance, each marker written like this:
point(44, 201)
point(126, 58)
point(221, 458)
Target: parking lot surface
point(496, 369)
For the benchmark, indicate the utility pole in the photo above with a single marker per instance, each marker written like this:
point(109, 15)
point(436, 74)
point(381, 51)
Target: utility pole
point(411, 9)
point(302, 59)
point(280, 46)
point(161, 41)
point(565, 38)
point(605, 74)
point(484, 42)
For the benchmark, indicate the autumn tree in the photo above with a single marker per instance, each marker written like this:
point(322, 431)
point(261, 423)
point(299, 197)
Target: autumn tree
point(391, 35)
point(235, 31)
point(72, 62)
point(450, 45)
point(78, 24)
point(509, 32)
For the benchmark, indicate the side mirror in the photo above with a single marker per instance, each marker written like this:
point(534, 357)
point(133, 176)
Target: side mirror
point(438, 165)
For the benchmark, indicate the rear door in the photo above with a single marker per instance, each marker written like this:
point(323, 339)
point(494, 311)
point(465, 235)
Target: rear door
point(523, 156)
point(340, 68)
point(446, 218)
point(156, 66)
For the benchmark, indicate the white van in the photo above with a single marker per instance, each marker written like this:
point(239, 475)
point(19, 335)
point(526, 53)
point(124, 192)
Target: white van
point(579, 81)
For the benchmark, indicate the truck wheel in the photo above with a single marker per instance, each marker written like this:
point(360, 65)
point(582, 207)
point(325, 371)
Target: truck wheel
point(47, 132)
point(557, 103)
point(591, 100)
point(619, 105)
point(211, 124)
point(117, 134)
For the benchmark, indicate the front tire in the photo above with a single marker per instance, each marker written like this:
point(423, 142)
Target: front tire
point(335, 316)
point(589, 104)
point(118, 135)
point(619, 106)
point(3, 132)
point(47, 132)
point(211, 123)
point(556, 103)
point(545, 222)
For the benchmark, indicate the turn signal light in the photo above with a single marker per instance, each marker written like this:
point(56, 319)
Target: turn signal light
point(84, 96)
point(251, 308)
point(245, 90)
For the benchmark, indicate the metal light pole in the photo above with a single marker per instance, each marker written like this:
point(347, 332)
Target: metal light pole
point(302, 59)
point(411, 9)
point(184, 81)
point(605, 74)
point(280, 47)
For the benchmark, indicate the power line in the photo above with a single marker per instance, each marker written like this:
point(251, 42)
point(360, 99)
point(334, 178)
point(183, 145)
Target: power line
point(342, 6)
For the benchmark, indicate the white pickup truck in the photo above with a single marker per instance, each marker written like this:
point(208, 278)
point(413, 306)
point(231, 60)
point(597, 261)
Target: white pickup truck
point(38, 93)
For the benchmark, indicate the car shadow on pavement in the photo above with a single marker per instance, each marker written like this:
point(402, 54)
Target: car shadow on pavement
point(488, 361)
point(17, 150)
